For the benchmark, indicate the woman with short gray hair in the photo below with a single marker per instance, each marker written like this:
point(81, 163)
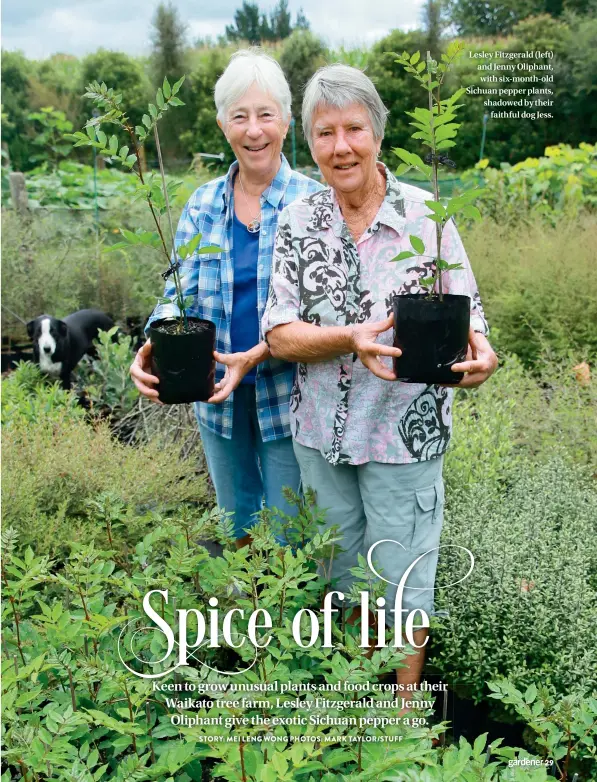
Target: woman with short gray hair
point(245, 427)
point(371, 448)
point(340, 85)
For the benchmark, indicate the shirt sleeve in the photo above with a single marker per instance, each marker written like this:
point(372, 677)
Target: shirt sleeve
point(462, 281)
point(283, 302)
point(189, 273)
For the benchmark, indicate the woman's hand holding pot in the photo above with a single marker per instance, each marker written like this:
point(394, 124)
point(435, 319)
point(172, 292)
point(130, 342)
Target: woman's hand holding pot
point(237, 366)
point(480, 363)
point(369, 351)
point(140, 372)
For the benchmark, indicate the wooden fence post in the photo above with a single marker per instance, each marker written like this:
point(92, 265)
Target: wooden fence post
point(18, 192)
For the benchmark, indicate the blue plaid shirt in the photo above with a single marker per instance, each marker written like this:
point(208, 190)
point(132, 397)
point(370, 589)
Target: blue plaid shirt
point(209, 279)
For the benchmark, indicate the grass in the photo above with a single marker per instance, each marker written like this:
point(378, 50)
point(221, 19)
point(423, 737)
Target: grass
point(538, 284)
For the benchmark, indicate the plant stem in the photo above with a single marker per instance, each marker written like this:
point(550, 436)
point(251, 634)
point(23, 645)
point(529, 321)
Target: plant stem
point(72, 689)
point(156, 220)
point(242, 761)
point(174, 263)
point(148, 717)
point(131, 717)
point(434, 167)
point(18, 633)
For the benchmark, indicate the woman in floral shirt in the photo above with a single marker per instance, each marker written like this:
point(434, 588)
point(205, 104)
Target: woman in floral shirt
point(372, 449)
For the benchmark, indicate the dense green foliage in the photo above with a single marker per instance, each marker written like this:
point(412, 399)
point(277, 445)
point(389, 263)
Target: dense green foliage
point(529, 609)
point(103, 504)
point(252, 25)
point(538, 283)
point(50, 140)
point(520, 497)
point(60, 81)
point(91, 717)
point(55, 264)
point(75, 186)
point(55, 462)
point(564, 726)
point(491, 17)
point(564, 181)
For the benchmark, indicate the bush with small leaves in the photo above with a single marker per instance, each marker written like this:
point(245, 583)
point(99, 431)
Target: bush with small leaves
point(55, 461)
point(529, 610)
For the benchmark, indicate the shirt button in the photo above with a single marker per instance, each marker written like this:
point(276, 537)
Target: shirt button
point(264, 233)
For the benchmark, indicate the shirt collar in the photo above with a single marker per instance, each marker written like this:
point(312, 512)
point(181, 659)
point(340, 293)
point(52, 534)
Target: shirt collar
point(273, 194)
point(392, 211)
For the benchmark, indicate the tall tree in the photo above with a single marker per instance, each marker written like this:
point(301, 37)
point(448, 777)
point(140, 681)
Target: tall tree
point(435, 21)
point(496, 17)
point(168, 58)
point(169, 43)
point(302, 53)
point(249, 25)
point(280, 21)
point(302, 23)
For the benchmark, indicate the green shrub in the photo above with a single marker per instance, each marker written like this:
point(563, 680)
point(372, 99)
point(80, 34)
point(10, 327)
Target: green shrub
point(73, 185)
point(55, 462)
point(28, 397)
point(538, 284)
point(564, 728)
point(49, 141)
point(54, 264)
point(72, 710)
point(115, 68)
point(517, 418)
point(564, 181)
point(529, 610)
point(106, 379)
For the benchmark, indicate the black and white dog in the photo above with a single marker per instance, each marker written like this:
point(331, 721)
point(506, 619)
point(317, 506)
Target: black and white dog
point(59, 345)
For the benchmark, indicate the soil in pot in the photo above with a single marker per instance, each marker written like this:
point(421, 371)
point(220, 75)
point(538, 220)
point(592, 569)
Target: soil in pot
point(184, 362)
point(432, 335)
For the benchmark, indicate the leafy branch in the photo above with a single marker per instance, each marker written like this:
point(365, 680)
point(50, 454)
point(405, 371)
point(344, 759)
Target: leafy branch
point(157, 193)
point(436, 129)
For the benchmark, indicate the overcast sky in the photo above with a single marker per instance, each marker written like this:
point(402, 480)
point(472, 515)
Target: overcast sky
point(40, 28)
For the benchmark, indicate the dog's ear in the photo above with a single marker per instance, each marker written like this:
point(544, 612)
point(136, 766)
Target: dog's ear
point(31, 328)
point(62, 328)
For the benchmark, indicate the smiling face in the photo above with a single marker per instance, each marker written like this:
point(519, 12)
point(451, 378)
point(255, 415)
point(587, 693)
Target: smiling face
point(255, 130)
point(344, 147)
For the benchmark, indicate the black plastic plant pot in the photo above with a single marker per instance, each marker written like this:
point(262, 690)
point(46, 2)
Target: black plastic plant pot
point(432, 335)
point(184, 362)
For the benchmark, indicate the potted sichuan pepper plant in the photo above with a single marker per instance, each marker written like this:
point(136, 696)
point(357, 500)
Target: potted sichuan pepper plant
point(432, 328)
point(183, 346)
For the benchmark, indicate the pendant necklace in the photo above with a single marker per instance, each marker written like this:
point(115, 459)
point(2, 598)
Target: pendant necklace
point(255, 224)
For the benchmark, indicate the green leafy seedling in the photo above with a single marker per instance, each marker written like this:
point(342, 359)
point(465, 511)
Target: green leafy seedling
point(157, 194)
point(436, 130)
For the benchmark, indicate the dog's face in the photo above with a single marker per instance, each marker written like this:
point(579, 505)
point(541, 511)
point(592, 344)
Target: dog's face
point(49, 337)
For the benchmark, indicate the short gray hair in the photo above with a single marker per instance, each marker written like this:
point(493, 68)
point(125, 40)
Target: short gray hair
point(247, 67)
point(338, 86)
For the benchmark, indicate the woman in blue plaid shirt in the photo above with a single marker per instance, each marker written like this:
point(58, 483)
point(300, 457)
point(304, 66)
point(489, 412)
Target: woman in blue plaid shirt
point(245, 426)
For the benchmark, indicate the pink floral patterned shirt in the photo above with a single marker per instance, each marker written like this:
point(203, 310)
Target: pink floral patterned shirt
point(320, 276)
